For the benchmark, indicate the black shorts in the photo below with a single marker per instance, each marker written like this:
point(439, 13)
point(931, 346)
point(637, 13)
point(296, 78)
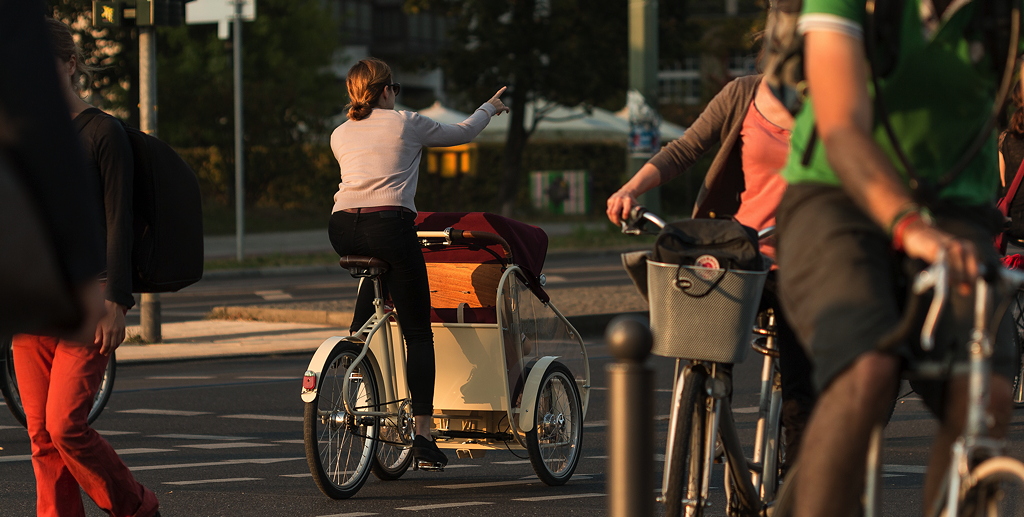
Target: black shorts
point(844, 289)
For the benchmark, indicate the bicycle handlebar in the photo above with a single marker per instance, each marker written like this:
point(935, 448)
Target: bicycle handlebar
point(936, 278)
point(451, 235)
point(640, 216)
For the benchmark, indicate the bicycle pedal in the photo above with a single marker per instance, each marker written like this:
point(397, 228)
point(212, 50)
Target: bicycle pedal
point(428, 466)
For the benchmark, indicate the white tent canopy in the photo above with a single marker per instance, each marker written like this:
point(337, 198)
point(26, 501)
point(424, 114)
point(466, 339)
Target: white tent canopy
point(559, 123)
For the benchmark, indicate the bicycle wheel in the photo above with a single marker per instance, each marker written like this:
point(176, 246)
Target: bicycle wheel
point(9, 383)
point(105, 390)
point(996, 488)
point(340, 447)
point(1018, 320)
point(684, 464)
point(394, 458)
point(554, 443)
point(12, 397)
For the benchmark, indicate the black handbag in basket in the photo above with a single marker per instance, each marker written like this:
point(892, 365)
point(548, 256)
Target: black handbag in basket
point(712, 243)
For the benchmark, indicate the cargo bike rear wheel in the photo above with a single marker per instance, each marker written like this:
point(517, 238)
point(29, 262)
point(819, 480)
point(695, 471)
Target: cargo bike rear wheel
point(341, 448)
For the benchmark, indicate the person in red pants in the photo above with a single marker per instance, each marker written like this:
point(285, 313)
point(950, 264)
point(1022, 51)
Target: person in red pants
point(58, 378)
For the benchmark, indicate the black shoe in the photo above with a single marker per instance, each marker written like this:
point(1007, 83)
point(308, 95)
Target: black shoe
point(426, 451)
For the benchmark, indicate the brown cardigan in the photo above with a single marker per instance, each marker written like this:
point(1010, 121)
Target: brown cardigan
point(721, 121)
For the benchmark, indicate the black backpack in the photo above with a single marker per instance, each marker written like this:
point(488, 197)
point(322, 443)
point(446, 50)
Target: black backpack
point(167, 241)
point(690, 242)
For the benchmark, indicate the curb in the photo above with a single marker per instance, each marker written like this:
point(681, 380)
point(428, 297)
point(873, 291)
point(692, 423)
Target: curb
point(588, 325)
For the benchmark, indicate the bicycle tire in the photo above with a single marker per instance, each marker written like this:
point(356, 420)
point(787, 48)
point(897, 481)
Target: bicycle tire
point(12, 396)
point(341, 449)
point(986, 489)
point(9, 383)
point(555, 442)
point(1018, 339)
point(684, 465)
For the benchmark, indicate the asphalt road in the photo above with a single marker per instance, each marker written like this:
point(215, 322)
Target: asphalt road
point(224, 437)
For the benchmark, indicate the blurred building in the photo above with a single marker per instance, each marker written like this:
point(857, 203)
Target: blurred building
point(380, 28)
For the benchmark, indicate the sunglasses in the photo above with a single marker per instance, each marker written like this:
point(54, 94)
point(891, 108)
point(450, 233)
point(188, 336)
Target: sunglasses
point(395, 87)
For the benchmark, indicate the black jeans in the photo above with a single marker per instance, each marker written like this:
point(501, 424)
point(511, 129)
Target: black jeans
point(391, 236)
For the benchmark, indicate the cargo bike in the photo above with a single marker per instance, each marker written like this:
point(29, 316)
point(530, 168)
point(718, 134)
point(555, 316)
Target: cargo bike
point(512, 372)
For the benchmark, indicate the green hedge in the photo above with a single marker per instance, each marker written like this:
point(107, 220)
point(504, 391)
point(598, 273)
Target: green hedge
point(306, 177)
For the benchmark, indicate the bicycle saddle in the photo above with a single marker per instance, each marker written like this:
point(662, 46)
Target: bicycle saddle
point(363, 267)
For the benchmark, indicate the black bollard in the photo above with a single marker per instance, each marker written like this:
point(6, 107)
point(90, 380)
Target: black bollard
point(630, 418)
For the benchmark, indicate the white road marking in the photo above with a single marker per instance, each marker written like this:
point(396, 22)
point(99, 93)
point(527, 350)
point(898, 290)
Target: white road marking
point(555, 278)
point(168, 412)
point(120, 452)
point(115, 433)
point(513, 462)
point(558, 497)
point(140, 450)
point(751, 409)
point(440, 506)
point(202, 437)
point(446, 467)
point(275, 294)
point(226, 445)
point(528, 481)
point(270, 378)
point(305, 475)
point(604, 423)
point(596, 457)
point(603, 388)
point(2, 427)
point(300, 442)
point(266, 417)
point(256, 461)
point(180, 377)
point(353, 514)
point(202, 481)
point(904, 469)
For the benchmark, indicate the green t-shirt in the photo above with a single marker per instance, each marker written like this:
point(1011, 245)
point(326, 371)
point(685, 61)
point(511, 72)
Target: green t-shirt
point(936, 96)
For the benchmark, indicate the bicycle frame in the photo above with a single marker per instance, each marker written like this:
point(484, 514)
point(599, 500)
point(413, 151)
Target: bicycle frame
point(386, 356)
point(974, 444)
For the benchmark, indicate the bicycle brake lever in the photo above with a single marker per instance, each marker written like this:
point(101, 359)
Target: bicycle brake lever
point(936, 278)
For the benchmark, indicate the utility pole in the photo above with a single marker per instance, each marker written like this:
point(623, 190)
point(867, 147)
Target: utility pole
point(149, 315)
point(643, 77)
point(239, 149)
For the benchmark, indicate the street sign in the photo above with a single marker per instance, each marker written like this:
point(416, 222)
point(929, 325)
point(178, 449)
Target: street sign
point(106, 14)
point(220, 12)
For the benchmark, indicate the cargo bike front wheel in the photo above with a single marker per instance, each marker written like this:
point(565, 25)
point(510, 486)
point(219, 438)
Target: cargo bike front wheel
point(555, 441)
point(341, 447)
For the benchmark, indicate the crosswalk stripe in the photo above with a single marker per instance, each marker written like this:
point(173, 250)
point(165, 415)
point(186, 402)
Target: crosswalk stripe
point(226, 445)
point(222, 463)
point(352, 514)
point(443, 505)
point(203, 481)
point(265, 417)
point(201, 437)
point(558, 497)
point(168, 412)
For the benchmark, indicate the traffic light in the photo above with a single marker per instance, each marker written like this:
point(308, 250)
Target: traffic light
point(142, 13)
point(107, 14)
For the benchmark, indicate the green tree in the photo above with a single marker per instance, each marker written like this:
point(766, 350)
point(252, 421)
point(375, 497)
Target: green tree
point(289, 89)
point(569, 52)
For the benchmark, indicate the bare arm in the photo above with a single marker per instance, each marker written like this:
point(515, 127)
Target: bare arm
point(1002, 170)
point(621, 202)
point(837, 78)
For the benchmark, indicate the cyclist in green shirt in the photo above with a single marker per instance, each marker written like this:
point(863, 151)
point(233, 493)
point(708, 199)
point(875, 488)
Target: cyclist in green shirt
point(850, 217)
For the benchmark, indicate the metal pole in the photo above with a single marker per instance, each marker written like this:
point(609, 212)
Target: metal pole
point(631, 419)
point(149, 310)
point(643, 76)
point(239, 149)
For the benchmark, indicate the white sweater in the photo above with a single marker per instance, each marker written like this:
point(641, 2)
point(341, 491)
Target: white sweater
point(380, 155)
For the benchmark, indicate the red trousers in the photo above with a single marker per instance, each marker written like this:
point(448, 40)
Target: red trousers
point(58, 381)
